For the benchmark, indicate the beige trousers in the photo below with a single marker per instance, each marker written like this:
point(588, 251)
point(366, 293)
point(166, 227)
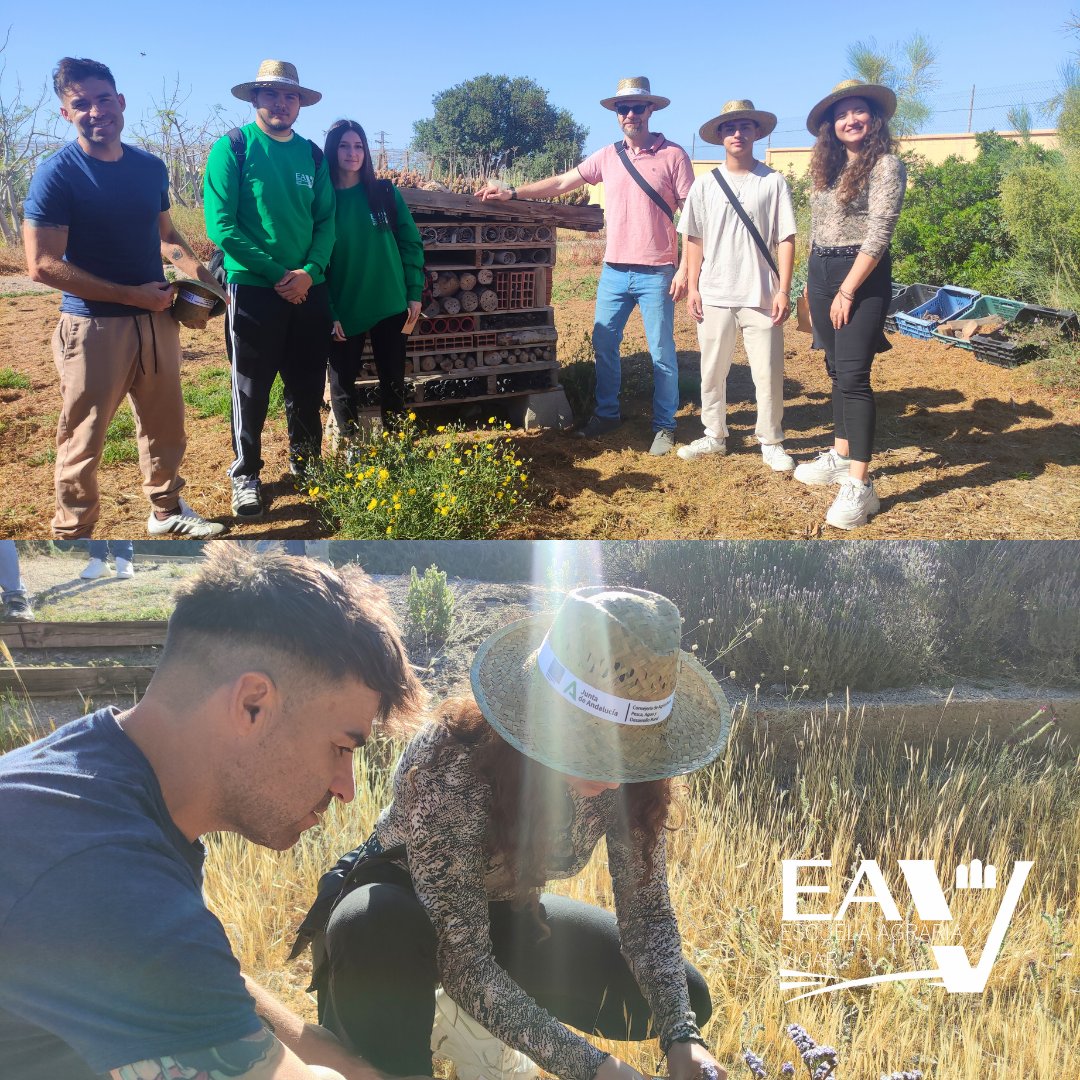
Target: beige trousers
point(764, 345)
point(100, 361)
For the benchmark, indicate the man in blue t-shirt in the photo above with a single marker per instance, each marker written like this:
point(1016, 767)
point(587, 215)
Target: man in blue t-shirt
point(96, 226)
point(273, 671)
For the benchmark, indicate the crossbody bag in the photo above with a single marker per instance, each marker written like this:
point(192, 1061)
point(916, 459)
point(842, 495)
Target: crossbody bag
point(745, 218)
point(624, 157)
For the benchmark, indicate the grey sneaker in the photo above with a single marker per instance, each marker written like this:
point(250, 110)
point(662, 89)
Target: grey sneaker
point(183, 521)
point(247, 501)
point(596, 426)
point(827, 468)
point(700, 447)
point(16, 606)
point(854, 504)
point(663, 443)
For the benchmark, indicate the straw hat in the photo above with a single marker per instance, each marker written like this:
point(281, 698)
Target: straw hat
point(880, 95)
point(196, 302)
point(281, 75)
point(739, 109)
point(635, 89)
point(601, 690)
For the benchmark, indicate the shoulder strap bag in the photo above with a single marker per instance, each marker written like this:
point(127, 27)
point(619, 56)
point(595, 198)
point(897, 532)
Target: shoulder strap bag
point(745, 218)
point(624, 157)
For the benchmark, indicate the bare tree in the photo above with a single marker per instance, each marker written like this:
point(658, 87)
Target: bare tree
point(908, 69)
point(28, 132)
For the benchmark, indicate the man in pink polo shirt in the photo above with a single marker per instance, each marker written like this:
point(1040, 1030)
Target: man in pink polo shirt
point(646, 179)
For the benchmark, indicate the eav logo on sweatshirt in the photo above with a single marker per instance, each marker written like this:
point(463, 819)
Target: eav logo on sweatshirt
point(304, 180)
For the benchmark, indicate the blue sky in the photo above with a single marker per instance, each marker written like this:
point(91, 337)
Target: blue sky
point(381, 63)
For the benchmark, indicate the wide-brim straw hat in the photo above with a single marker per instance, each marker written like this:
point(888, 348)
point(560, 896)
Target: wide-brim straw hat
point(882, 96)
point(635, 89)
point(601, 689)
point(196, 302)
point(739, 109)
point(281, 75)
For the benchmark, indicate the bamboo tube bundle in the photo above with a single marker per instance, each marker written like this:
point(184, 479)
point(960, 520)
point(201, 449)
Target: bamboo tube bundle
point(469, 300)
point(470, 362)
point(465, 234)
point(447, 236)
point(427, 363)
point(491, 234)
point(487, 258)
point(466, 280)
point(485, 276)
point(459, 361)
point(540, 255)
point(489, 300)
point(493, 359)
point(542, 234)
point(431, 309)
point(508, 234)
point(451, 305)
point(428, 234)
point(507, 258)
point(447, 284)
point(468, 324)
point(521, 233)
point(446, 364)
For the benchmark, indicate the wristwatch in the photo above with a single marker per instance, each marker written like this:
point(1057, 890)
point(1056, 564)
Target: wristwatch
point(513, 192)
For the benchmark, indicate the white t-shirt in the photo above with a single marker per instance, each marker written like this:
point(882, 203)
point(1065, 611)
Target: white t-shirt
point(733, 270)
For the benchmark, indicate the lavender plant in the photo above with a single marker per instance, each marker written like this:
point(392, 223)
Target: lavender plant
point(820, 1061)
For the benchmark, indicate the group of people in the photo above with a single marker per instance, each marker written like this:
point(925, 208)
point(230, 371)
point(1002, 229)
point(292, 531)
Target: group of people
point(318, 256)
point(435, 932)
point(735, 271)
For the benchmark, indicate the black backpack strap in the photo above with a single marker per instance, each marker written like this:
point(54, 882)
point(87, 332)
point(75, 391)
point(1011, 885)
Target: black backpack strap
point(316, 153)
point(239, 147)
point(745, 218)
point(624, 157)
point(390, 202)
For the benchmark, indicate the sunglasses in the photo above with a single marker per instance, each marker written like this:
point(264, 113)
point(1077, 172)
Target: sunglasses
point(637, 109)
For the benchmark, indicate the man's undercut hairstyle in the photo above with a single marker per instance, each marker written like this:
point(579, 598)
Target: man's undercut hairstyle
point(70, 71)
point(322, 622)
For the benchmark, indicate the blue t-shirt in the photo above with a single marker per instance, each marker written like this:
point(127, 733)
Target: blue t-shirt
point(108, 954)
point(111, 212)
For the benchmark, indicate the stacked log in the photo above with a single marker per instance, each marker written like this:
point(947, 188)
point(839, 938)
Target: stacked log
point(489, 301)
point(485, 276)
point(451, 305)
point(469, 300)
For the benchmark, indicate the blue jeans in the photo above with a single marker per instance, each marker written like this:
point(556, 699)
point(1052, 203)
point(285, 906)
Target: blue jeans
point(119, 549)
point(10, 582)
point(621, 286)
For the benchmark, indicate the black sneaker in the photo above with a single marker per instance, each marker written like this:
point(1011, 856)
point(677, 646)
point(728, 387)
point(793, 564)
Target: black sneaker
point(16, 606)
point(247, 500)
point(596, 426)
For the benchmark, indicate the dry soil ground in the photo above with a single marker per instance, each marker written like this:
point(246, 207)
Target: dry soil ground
point(964, 449)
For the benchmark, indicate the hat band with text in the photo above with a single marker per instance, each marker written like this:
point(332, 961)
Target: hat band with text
point(599, 702)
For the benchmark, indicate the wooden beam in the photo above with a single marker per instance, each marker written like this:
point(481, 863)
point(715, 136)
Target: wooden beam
point(60, 681)
point(81, 635)
point(585, 218)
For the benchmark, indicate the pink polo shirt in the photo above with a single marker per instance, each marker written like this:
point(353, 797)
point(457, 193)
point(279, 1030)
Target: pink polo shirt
point(637, 229)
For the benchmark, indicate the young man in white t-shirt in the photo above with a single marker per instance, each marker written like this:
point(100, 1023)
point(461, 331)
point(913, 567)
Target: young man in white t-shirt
point(731, 284)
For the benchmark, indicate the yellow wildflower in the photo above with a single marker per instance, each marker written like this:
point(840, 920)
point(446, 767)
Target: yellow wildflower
point(371, 505)
point(384, 474)
point(431, 453)
point(412, 416)
point(412, 491)
point(441, 428)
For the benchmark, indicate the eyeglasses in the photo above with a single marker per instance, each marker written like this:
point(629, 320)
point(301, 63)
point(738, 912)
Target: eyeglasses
point(637, 109)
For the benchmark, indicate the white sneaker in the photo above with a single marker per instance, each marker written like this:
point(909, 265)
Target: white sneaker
point(95, 568)
point(853, 505)
point(827, 468)
point(124, 569)
point(777, 458)
point(182, 522)
point(700, 447)
point(476, 1053)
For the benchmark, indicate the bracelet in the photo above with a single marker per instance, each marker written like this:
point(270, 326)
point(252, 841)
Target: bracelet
point(850, 297)
point(513, 192)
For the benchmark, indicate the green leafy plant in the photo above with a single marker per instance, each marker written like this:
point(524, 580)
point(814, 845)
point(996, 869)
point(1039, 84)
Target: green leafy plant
point(431, 605)
point(10, 379)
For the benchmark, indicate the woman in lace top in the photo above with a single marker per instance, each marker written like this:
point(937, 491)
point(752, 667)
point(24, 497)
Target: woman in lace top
point(492, 800)
point(858, 186)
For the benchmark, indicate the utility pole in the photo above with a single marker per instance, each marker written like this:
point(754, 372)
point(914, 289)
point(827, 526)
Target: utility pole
point(380, 161)
point(971, 107)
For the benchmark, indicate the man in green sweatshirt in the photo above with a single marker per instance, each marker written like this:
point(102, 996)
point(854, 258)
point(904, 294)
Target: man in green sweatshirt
point(270, 208)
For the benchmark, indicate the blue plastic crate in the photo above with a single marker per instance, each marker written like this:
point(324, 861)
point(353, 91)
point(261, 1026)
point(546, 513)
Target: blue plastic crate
point(908, 299)
point(950, 303)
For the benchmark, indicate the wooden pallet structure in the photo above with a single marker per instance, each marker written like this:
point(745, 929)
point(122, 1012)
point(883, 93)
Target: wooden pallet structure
point(487, 329)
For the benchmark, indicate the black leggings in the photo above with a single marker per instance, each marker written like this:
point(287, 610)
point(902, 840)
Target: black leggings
point(849, 351)
point(388, 345)
point(378, 993)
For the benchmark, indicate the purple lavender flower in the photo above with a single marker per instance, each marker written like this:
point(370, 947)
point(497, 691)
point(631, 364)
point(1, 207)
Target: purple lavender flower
point(755, 1064)
point(787, 1069)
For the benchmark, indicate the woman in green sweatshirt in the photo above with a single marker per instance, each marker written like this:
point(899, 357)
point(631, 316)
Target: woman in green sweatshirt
point(376, 276)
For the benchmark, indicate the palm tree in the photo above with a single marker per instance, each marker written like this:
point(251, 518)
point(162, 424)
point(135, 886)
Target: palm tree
point(907, 68)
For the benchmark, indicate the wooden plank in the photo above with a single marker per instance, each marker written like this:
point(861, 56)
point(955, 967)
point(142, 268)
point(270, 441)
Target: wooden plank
point(58, 681)
point(583, 218)
point(81, 635)
point(373, 411)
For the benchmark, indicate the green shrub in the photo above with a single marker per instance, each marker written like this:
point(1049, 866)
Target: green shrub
point(10, 379)
point(404, 485)
point(431, 605)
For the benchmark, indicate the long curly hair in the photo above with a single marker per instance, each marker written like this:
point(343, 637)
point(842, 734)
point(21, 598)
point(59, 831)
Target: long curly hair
point(830, 159)
point(526, 795)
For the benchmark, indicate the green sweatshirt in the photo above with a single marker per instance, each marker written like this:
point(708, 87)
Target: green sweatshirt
point(373, 272)
point(278, 217)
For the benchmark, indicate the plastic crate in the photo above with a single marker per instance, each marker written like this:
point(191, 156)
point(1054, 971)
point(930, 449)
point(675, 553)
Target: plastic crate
point(898, 287)
point(1007, 353)
point(951, 302)
point(981, 309)
point(908, 299)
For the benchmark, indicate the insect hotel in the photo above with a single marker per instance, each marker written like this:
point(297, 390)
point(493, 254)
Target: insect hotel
point(486, 329)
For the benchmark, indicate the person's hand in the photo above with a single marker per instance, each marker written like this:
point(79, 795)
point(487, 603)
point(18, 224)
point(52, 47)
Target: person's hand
point(693, 305)
point(840, 312)
point(338, 334)
point(692, 1061)
point(494, 190)
point(781, 308)
point(614, 1068)
point(294, 286)
point(678, 285)
point(152, 296)
point(413, 312)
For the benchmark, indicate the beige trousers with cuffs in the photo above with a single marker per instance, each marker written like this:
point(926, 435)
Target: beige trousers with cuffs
point(100, 361)
point(764, 344)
